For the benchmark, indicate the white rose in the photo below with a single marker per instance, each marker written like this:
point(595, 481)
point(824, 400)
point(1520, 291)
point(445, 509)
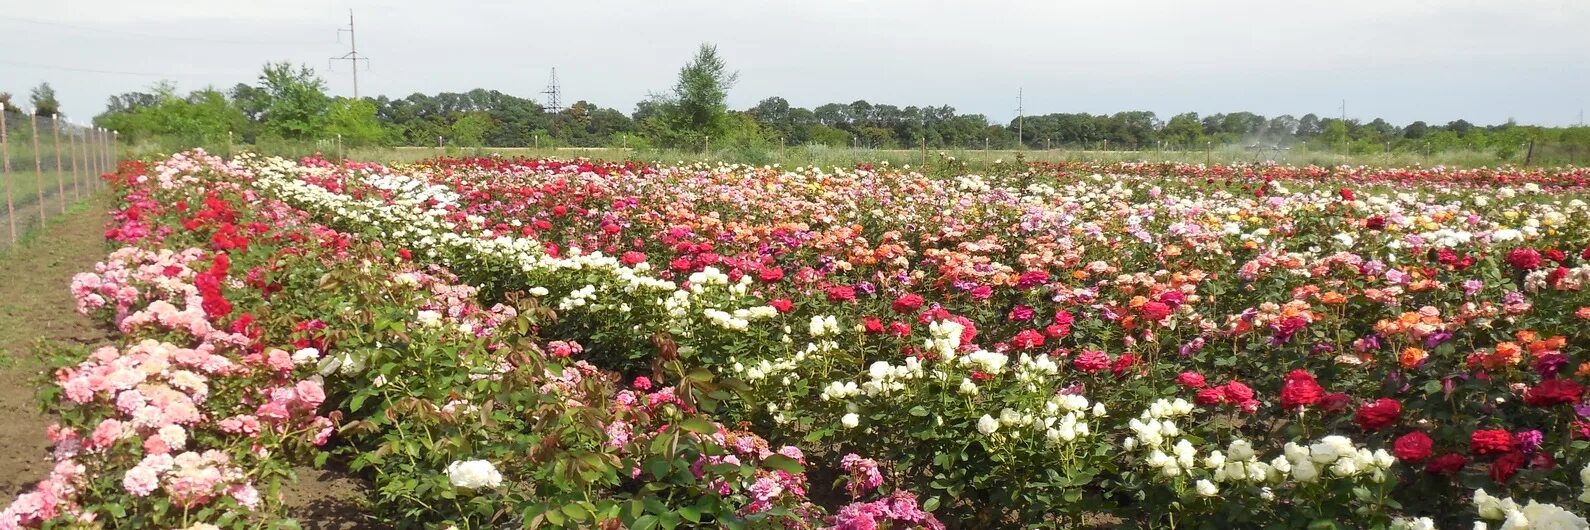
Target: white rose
point(306, 356)
point(987, 425)
point(1207, 488)
point(850, 421)
point(474, 474)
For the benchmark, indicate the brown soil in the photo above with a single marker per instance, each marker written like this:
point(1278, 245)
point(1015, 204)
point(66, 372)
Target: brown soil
point(36, 308)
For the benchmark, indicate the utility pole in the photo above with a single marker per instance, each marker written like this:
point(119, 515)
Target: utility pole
point(352, 56)
point(1019, 119)
point(554, 93)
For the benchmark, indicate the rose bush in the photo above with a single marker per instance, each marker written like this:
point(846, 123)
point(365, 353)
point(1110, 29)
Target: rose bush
point(1043, 346)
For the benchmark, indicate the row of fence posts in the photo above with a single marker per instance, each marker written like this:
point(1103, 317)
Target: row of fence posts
point(76, 152)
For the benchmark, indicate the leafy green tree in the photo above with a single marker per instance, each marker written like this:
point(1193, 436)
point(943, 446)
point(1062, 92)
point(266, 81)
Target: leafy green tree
point(1183, 130)
point(1334, 135)
point(829, 136)
point(293, 102)
point(44, 102)
point(470, 130)
point(696, 110)
point(354, 120)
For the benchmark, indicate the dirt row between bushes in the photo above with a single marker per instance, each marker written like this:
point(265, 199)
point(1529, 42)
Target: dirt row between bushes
point(37, 310)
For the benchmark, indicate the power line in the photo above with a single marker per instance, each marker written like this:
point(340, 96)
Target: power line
point(84, 70)
point(155, 36)
point(352, 56)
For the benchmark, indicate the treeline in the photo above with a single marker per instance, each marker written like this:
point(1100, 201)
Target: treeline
point(290, 103)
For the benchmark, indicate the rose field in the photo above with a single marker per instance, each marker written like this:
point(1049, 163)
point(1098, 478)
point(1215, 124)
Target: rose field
point(521, 343)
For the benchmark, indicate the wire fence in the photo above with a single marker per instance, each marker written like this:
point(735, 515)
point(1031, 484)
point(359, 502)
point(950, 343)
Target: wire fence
point(47, 163)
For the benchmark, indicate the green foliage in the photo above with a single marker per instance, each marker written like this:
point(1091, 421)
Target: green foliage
point(355, 122)
point(470, 130)
point(696, 111)
point(44, 102)
point(295, 101)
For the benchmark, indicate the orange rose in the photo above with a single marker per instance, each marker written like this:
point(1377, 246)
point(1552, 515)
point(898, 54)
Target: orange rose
point(1411, 357)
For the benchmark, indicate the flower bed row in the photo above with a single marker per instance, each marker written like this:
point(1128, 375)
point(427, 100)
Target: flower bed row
point(1136, 346)
point(256, 339)
point(1015, 349)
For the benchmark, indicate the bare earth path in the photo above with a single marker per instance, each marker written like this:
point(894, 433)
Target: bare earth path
point(35, 304)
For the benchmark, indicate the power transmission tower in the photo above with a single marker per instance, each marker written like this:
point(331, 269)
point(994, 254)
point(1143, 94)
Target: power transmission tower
point(554, 93)
point(352, 56)
point(1020, 117)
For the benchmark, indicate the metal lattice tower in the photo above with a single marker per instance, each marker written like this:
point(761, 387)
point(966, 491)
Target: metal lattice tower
point(554, 93)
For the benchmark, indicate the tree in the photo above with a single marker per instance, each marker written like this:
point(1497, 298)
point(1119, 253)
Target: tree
point(5, 103)
point(1308, 126)
point(44, 102)
point(696, 109)
point(294, 102)
point(354, 120)
point(1184, 130)
point(1416, 130)
point(470, 130)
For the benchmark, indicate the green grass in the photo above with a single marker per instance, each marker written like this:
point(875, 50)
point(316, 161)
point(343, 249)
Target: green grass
point(829, 156)
point(844, 156)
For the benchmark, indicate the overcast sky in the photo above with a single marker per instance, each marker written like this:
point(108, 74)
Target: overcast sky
point(1404, 60)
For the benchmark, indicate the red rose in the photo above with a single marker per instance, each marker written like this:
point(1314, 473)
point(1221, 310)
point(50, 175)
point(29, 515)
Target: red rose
point(1027, 339)
point(907, 303)
point(1446, 464)
point(1210, 397)
point(1378, 414)
point(783, 305)
point(770, 274)
point(1523, 259)
point(1091, 361)
point(1154, 311)
point(1237, 392)
point(841, 293)
point(1375, 222)
point(1056, 331)
point(1346, 194)
point(1335, 402)
point(1413, 447)
point(1191, 380)
point(1556, 255)
point(1063, 318)
point(899, 329)
point(1490, 442)
point(1123, 363)
point(872, 325)
point(1554, 392)
point(1504, 468)
point(1300, 390)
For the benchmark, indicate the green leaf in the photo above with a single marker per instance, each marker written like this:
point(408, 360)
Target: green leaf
point(698, 425)
point(575, 512)
point(690, 513)
point(931, 504)
point(782, 463)
point(644, 522)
